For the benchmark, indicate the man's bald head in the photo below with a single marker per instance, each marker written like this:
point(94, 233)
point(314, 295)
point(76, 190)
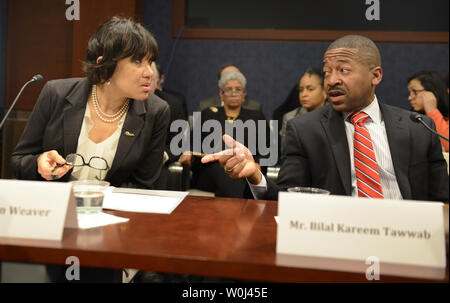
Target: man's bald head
point(364, 48)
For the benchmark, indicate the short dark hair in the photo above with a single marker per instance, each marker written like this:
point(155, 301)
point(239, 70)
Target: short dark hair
point(116, 39)
point(315, 71)
point(367, 49)
point(433, 82)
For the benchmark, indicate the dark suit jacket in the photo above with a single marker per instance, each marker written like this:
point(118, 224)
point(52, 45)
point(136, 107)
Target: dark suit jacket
point(180, 97)
point(176, 113)
point(218, 113)
point(56, 121)
point(210, 176)
point(317, 155)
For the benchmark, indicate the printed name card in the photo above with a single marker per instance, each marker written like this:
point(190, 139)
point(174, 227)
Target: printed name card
point(343, 233)
point(36, 210)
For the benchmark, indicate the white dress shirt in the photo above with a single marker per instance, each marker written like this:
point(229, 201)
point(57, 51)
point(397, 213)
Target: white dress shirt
point(377, 130)
point(87, 148)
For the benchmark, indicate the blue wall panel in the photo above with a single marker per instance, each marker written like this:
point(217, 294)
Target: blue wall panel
point(272, 68)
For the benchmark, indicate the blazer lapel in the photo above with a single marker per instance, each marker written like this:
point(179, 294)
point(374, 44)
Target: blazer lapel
point(397, 132)
point(130, 131)
point(73, 115)
point(334, 127)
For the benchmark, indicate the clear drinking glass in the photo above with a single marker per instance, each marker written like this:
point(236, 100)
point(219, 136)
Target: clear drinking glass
point(89, 195)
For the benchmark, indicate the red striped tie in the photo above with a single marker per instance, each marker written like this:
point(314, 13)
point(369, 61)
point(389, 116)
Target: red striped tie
point(367, 173)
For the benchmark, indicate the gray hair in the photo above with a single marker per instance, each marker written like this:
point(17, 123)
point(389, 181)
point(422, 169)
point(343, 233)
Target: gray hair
point(232, 75)
point(367, 50)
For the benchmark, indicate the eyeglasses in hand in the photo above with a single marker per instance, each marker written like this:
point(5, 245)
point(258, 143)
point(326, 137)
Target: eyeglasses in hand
point(77, 160)
point(95, 162)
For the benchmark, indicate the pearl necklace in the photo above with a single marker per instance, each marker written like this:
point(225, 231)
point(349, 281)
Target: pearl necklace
point(104, 116)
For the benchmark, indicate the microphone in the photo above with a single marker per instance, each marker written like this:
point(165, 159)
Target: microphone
point(416, 117)
point(35, 79)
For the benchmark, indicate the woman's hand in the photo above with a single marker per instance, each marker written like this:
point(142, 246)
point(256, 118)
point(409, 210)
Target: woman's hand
point(51, 166)
point(429, 101)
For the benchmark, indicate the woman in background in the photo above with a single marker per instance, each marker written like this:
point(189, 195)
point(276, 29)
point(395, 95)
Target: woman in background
point(428, 95)
point(311, 96)
point(211, 177)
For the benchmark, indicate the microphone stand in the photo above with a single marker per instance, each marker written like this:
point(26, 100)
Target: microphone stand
point(36, 79)
point(419, 118)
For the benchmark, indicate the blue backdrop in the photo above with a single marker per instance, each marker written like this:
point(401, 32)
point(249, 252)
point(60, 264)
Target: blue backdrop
point(272, 68)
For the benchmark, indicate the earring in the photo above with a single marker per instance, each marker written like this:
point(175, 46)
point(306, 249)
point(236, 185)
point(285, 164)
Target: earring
point(108, 82)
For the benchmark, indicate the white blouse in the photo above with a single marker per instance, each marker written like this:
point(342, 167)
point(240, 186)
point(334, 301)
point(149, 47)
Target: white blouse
point(105, 149)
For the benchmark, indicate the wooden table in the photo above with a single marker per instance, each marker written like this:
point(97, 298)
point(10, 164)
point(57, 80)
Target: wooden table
point(218, 237)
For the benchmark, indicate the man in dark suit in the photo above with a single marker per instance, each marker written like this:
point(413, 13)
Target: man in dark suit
point(321, 148)
point(177, 112)
point(179, 106)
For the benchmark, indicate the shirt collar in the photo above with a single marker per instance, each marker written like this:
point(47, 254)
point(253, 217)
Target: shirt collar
point(373, 110)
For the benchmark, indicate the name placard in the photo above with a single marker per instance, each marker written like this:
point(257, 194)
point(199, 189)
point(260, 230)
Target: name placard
point(36, 210)
point(342, 233)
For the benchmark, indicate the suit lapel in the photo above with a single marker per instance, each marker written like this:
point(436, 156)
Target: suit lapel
point(74, 110)
point(334, 127)
point(397, 132)
point(130, 131)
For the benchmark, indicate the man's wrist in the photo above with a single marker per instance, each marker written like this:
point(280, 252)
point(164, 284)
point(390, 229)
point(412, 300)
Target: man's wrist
point(256, 178)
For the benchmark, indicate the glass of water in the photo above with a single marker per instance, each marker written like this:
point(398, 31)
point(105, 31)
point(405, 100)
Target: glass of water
point(89, 195)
